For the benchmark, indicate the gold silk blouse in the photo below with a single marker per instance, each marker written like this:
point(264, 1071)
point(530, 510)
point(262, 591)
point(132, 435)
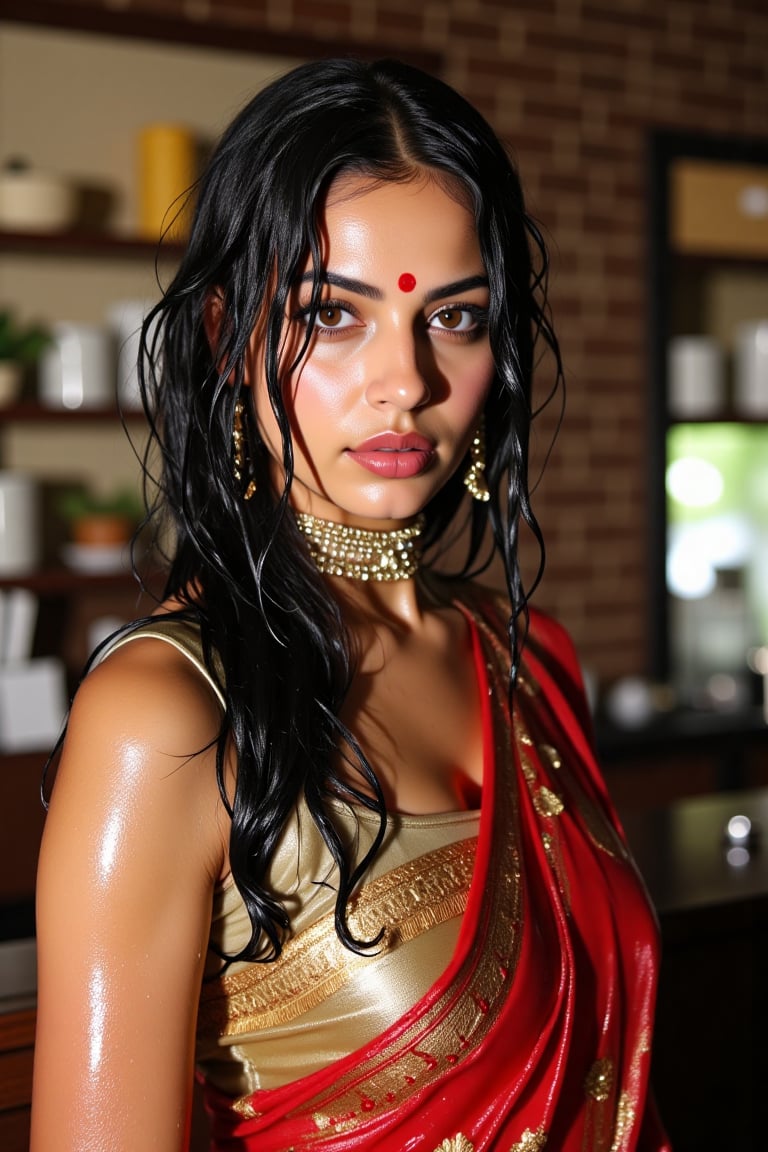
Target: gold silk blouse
point(262, 1025)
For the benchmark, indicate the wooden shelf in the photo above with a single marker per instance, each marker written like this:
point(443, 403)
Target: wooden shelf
point(58, 581)
point(702, 261)
point(725, 417)
point(99, 245)
point(30, 412)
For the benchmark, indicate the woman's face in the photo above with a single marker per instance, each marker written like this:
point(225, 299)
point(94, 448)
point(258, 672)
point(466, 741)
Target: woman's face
point(383, 406)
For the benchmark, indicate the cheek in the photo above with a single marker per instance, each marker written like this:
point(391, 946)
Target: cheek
point(320, 394)
point(318, 398)
point(470, 391)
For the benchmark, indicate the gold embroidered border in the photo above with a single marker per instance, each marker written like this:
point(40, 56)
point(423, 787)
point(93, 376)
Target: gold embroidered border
point(460, 1018)
point(547, 803)
point(409, 900)
point(596, 823)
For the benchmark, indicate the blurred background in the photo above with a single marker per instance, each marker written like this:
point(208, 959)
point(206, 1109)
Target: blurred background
point(641, 133)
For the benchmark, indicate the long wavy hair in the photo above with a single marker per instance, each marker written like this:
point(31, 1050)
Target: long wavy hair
point(241, 568)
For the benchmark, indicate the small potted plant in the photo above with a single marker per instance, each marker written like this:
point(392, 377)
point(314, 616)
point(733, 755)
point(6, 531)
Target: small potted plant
point(20, 346)
point(100, 521)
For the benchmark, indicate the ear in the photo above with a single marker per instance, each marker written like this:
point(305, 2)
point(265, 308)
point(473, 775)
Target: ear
point(214, 318)
point(213, 314)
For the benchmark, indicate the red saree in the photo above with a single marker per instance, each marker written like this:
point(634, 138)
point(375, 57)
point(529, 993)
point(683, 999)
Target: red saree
point(538, 1033)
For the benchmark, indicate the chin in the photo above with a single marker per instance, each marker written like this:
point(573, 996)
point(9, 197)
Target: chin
point(376, 511)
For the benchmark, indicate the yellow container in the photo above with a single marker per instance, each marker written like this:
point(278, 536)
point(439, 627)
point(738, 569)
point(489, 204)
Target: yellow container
point(167, 171)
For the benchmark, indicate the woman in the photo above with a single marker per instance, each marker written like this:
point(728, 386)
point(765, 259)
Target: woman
point(328, 825)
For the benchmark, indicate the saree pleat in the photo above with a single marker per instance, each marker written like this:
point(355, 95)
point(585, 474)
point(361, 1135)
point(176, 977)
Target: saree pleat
point(538, 1032)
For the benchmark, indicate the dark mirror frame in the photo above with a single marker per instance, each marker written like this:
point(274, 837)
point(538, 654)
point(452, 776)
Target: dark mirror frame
point(666, 147)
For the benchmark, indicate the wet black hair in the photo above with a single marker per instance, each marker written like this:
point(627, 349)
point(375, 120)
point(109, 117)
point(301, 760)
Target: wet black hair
point(241, 568)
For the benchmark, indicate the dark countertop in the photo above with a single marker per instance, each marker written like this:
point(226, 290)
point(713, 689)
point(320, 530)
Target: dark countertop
point(685, 859)
point(681, 730)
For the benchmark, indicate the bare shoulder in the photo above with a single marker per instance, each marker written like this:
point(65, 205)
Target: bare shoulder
point(134, 843)
point(141, 742)
point(150, 683)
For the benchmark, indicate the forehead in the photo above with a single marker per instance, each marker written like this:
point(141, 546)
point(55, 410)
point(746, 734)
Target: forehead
point(352, 185)
point(365, 218)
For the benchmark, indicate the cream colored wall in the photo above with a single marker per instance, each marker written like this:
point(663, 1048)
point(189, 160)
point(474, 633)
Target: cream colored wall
point(74, 104)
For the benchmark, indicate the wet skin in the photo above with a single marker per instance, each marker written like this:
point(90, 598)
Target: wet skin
point(384, 404)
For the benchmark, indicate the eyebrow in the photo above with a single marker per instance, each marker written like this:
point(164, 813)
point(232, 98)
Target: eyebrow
point(456, 287)
point(360, 288)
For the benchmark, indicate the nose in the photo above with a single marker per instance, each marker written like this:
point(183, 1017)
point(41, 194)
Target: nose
point(397, 371)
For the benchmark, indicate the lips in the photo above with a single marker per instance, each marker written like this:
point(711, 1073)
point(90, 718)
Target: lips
point(393, 456)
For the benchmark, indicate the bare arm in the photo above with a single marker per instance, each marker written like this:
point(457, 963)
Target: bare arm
point(134, 841)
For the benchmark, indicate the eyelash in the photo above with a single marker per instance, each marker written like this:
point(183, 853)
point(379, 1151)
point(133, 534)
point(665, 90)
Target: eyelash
point(479, 314)
point(304, 313)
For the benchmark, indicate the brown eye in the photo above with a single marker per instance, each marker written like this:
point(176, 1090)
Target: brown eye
point(330, 317)
point(460, 319)
point(450, 317)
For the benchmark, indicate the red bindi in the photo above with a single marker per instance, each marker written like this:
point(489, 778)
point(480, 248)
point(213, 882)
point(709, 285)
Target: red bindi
point(407, 282)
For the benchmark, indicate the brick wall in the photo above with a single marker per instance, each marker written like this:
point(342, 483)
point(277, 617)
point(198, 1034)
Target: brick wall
point(573, 86)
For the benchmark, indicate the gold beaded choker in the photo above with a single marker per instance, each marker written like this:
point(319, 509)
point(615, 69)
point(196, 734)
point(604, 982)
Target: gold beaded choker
point(362, 553)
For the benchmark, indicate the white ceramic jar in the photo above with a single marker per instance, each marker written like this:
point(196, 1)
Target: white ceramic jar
point(77, 368)
point(19, 524)
point(696, 375)
point(36, 201)
point(750, 385)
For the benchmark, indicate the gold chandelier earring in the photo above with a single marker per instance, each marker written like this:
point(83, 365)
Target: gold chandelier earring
point(475, 476)
point(240, 461)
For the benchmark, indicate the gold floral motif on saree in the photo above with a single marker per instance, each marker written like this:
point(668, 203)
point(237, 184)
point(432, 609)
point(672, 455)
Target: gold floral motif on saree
point(598, 1120)
point(596, 823)
point(457, 1143)
point(530, 1141)
point(314, 965)
point(547, 803)
point(599, 1081)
